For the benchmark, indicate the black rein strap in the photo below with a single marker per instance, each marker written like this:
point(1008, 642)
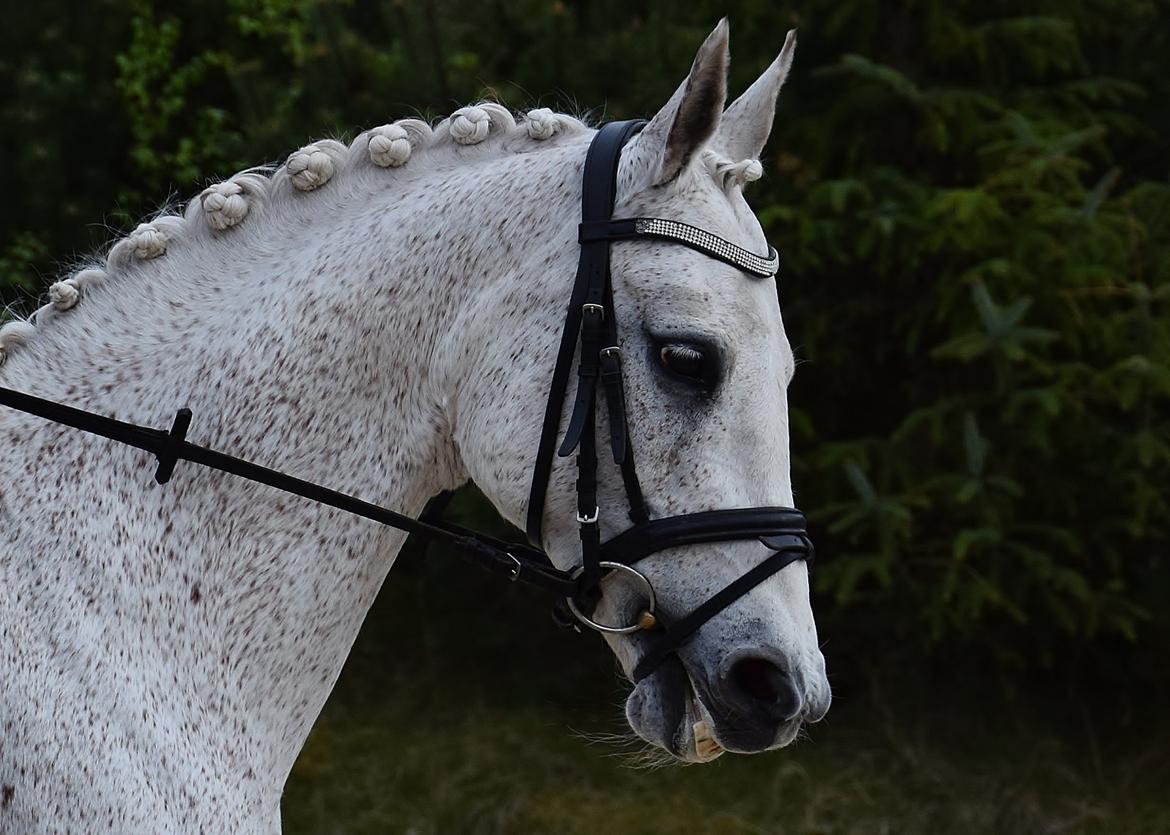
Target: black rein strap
point(519, 562)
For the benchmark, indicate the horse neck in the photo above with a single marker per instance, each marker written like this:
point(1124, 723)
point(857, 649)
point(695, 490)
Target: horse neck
point(324, 342)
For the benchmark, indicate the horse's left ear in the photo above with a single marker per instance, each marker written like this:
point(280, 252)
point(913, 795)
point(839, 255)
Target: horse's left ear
point(747, 123)
point(691, 117)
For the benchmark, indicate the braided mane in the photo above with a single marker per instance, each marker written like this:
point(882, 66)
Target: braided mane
point(228, 203)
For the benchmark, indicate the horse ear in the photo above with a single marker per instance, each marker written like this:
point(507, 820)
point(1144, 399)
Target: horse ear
point(747, 123)
point(691, 116)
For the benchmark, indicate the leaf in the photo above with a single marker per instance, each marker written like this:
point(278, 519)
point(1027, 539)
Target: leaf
point(837, 194)
point(974, 444)
point(965, 206)
point(1097, 196)
point(883, 75)
point(860, 483)
point(967, 538)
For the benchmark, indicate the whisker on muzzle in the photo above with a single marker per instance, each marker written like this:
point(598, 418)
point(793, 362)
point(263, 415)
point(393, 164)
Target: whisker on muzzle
point(630, 749)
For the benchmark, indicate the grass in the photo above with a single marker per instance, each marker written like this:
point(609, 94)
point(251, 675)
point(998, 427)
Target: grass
point(462, 710)
point(448, 762)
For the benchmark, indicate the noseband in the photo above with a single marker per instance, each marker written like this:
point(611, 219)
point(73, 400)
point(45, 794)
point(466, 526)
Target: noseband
point(591, 326)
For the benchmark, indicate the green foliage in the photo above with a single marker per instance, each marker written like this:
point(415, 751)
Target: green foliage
point(972, 200)
point(1004, 380)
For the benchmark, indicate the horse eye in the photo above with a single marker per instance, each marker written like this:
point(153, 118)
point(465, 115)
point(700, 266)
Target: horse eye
point(688, 362)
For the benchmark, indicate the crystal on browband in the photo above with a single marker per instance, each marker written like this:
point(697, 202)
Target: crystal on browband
point(690, 236)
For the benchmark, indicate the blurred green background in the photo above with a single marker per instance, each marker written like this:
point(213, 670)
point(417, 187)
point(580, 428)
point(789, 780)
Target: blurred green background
point(972, 200)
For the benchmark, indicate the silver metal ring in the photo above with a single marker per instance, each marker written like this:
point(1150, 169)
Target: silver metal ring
point(615, 630)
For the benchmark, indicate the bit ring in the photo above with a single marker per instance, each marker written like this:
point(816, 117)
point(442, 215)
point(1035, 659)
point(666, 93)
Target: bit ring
point(641, 623)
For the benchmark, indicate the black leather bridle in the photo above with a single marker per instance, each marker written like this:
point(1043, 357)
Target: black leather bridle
point(591, 326)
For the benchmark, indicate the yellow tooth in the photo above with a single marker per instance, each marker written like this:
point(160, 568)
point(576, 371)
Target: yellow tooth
point(700, 730)
point(706, 748)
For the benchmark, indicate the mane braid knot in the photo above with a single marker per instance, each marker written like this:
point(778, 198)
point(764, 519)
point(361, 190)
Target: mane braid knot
point(732, 174)
point(146, 242)
point(542, 123)
point(389, 146)
point(470, 125)
point(309, 168)
point(224, 204)
point(13, 334)
point(64, 294)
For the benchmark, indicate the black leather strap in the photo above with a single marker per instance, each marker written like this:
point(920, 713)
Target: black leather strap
point(598, 191)
point(519, 562)
point(619, 419)
point(708, 526)
point(588, 369)
point(676, 633)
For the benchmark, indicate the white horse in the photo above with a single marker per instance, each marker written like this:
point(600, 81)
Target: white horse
point(382, 318)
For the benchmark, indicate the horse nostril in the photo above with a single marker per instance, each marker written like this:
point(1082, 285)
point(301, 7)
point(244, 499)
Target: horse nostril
point(758, 678)
point(761, 685)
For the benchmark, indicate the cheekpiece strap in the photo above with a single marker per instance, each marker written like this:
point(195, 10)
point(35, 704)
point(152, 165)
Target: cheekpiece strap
point(588, 299)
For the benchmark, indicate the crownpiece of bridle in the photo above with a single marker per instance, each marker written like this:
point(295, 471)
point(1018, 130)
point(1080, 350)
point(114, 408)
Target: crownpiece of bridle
point(590, 326)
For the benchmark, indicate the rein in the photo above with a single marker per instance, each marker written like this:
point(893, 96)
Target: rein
point(519, 562)
point(591, 327)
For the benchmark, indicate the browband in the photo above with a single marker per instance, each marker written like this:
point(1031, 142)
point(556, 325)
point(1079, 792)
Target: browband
point(700, 240)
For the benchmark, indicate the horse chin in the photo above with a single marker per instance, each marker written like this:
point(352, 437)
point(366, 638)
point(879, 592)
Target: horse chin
point(665, 710)
point(670, 712)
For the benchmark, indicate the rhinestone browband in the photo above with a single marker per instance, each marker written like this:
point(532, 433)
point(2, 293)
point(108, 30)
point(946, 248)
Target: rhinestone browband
point(690, 236)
